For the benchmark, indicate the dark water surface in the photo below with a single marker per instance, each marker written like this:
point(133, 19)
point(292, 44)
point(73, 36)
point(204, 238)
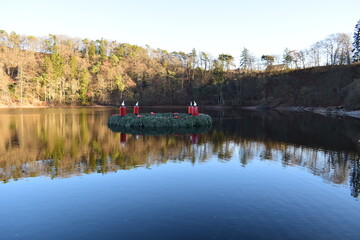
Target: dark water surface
point(254, 175)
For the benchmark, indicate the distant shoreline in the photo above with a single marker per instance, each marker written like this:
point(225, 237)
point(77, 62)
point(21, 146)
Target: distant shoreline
point(50, 106)
point(101, 106)
point(325, 111)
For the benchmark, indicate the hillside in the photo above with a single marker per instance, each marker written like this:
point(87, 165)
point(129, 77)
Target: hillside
point(326, 86)
point(61, 71)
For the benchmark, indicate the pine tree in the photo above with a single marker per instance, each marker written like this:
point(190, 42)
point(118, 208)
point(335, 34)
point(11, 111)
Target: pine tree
point(92, 50)
point(226, 61)
point(73, 64)
point(102, 48)
point(356, 43)
point(268, 59)
point(244, 59)
point(287, 57)
point(84, 84)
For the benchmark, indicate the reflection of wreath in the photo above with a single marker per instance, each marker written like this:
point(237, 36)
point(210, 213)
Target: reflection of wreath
point(160, 123)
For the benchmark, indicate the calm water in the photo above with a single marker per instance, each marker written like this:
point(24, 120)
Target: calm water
point(254, 175)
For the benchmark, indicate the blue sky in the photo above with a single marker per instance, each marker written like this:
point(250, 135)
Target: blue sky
point(226, 26)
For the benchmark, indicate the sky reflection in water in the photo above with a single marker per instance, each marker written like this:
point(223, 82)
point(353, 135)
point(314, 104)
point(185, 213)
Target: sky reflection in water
point(254, 175)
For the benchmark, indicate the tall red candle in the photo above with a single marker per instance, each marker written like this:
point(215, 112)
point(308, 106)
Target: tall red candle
point(190, 109)
point(136, 109)
point(122, 111)
point(195, 111)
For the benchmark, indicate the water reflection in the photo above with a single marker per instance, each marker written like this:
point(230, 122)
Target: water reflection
point(149, 131)
point(65, 142)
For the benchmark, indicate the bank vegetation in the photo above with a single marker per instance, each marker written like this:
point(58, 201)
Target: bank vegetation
point(59, 70)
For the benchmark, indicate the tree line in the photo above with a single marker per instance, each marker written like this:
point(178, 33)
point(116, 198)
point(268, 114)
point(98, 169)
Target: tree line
point(69, 71)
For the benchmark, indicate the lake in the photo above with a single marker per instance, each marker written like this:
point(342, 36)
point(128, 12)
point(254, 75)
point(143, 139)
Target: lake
point(253, 175)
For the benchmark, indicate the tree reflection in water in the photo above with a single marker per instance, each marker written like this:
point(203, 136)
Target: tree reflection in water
point(355, 178)
point(65, 142)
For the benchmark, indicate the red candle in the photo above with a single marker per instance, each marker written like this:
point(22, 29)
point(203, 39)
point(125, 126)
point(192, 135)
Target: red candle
point(190, 109)
point(195, 138)
point(195, 111)
point(122, 111)
point(122, 137)
point(136, 109)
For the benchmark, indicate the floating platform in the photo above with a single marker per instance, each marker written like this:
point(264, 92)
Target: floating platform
point(160, 123)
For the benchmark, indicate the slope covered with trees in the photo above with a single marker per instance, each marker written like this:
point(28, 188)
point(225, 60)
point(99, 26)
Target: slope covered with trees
point(58, 70)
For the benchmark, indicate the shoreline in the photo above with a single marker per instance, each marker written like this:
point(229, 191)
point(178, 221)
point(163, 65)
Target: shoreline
point(102, 106)
point(325, 111)
point(50, 106)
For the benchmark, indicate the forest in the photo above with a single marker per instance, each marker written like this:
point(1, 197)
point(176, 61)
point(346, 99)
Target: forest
point(59, 71)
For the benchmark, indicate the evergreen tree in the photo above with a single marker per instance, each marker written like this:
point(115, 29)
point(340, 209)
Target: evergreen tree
point(192, 57)
point(119, 82)
point(226, 60)
point(91, 50)
point(84, 84)
point(245, 59)
point(46, 79)
point(356, 43)
point(218, 74)
point(268, 59)
point(51, 44)
point(102, 48)
point(58, 65)
point(73, 64)
point(287, 57)
point(205, 60)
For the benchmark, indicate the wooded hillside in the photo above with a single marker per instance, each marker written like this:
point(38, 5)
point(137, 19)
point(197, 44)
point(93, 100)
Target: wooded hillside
point(58, 70)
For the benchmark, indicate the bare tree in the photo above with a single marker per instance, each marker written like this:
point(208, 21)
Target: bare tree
point(337, 49)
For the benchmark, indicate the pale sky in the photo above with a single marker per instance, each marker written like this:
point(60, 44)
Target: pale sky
point(223, 26)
